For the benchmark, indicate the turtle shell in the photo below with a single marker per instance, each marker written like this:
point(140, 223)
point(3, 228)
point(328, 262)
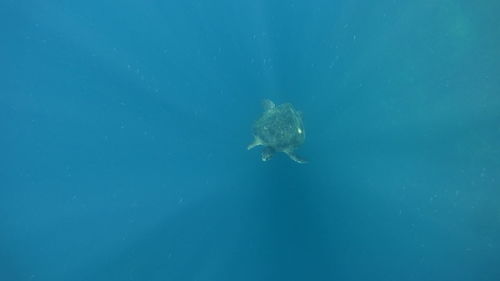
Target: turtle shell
point(280, 128)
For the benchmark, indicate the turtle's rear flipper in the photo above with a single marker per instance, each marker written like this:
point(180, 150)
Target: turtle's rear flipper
point(296, 158)
point(268, 104)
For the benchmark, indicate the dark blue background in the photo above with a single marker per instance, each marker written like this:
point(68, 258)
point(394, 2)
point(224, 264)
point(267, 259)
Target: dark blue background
point(124, 126)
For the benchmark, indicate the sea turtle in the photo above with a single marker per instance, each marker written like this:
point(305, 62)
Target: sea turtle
point(280, 128)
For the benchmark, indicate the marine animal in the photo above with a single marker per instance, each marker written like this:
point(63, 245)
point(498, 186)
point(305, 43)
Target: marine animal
point(279, 129)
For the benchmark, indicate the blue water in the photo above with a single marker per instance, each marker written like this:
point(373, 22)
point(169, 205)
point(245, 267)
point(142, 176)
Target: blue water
point(124, 127)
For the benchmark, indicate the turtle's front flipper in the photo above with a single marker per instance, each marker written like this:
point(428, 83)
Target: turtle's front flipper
point(296, 158)
point(255, 143)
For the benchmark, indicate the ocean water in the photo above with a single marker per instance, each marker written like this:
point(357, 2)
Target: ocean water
point(124, 126)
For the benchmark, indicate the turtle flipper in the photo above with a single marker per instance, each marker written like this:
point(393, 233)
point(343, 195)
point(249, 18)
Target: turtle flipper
point(256, 142)
point(296, 158)
point(268, 104)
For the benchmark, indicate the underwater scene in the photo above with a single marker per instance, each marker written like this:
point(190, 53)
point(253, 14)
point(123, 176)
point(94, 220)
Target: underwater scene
point(250, 140)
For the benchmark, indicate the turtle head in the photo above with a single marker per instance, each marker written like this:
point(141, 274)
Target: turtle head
point(267, 154)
